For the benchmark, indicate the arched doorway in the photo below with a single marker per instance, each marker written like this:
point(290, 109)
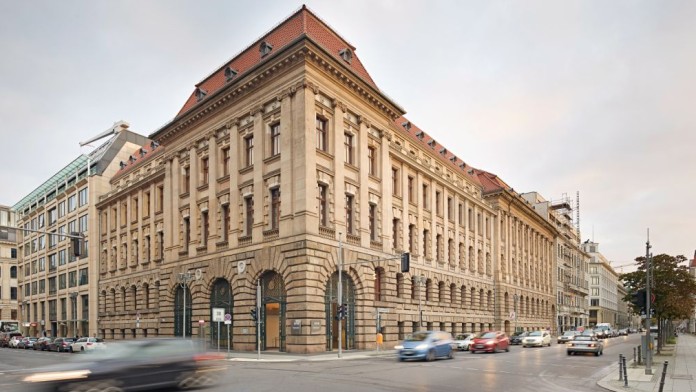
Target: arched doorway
point(179, 312)
point(331, 306)
point(273, 308)
point(221, 297)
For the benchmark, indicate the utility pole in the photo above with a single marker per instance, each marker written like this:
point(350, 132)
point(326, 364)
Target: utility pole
point(648, 336)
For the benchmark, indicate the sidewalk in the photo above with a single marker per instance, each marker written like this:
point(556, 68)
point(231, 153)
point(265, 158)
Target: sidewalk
point(274, 356)
point(681, 370)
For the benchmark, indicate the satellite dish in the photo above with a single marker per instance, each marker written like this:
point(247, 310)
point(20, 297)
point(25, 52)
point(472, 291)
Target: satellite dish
point(199, 273)
point(241, 266)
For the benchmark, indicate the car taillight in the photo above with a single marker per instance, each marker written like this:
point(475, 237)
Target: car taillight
point(89, 344)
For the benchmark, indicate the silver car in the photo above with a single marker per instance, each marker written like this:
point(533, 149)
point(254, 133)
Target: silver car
point(462, 341)
point(585, 344)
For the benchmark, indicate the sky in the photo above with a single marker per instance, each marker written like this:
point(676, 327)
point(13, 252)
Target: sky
point(554, 97)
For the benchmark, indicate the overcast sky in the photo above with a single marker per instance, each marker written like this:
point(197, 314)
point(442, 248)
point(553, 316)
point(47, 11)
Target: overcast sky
point(552, 96)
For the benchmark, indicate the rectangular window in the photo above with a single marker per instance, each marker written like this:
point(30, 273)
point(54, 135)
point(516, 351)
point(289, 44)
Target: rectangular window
point(426, 199)
point(226, 161)
point(395, 233)
point(13, 293)
point(323, 205)
point(61, 209)
point(83, 223)
point(372, 217)
point(438, 203)
point(349, 214)
point(52, 216)
point(146, 204)
point(411, 190)
point(187, 233)
point(461, 214)
point(83, 276)
point(275, 208)
point(42, 264)
point(42, 286)
point(72, 278)
point(275, 139)
point(52, 262)
point(248, 151)
point(72, 205)
point(72, 226)
point(396, 191)
point(61, 257)
point(186, 180)
point(450, 209)
point(371, 161)
point(204, 228)
point(322, 134)
point(225, 222)
point(204, 171)
point(83, 197)
point(348, 146)
point(249, 214)
point(42, 241)
point(160, 199)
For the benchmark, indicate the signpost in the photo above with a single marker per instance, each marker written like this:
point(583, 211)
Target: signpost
point(218, 317)
point(228, 321)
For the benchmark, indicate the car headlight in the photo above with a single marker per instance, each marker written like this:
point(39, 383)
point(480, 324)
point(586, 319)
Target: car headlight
point(57, 376)
point(489, 343)
point(421, 346)
point(398, 347)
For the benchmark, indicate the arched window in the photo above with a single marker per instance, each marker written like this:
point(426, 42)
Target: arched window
point(134, 298)
point(428, 288)
point(463, 298)
point(379, 283)
point(146, 296)
point(399, 285)
point(441, 291)
point(481, 299)
point(453, 293)
point(13, 272)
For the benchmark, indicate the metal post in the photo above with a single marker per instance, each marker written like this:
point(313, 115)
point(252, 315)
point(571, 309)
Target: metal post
point(625, 372)
point(228, 340)
point(258, 318)
point(640, 355)
point(648, 353)
point(184, 278)
point(620, 367)
point(664, 373)
point(218, 328)
point(634, 356)
point(340, 293)
point(420, 296)
point(515, 298)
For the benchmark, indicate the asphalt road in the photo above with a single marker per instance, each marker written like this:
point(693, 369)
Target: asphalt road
point(547, 369)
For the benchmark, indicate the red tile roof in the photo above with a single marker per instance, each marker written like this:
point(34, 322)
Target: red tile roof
point(491, 182)
point(137, 159)
point(301, 23)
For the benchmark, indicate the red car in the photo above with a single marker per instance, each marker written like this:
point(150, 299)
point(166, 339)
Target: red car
point(490, 342)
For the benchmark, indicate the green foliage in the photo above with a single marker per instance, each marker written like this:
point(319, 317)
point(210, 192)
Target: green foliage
point(673, 286)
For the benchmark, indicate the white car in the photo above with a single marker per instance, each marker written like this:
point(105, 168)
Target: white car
point(14, 341)
point(462, 341)
point(87, 344)
point(537, 338)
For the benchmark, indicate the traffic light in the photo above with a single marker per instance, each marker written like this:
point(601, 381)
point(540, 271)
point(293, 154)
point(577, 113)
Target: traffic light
point(345, 310)
point(76, 241)
point(405, 261)
point(254, 316)
point(342, 312)
point(638, 300)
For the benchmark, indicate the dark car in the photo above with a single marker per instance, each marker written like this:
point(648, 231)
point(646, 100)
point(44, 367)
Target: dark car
point(490, 342)
point(427, 345)
point(61, 344)
point(517, 337)
point(42, 344)
point(27, 343)
point(132, 365)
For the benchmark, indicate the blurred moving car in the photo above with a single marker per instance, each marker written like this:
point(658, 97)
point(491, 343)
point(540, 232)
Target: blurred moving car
point(42, 344)
point(623, 332)
point(517, 337)
point(537, 338)
point(61, 344)
point(585, 344)
point(87, 344)
point(491, 342)
point(163, 364)
point(567, 335)
point(463, 341)
point(427, 345)
point(26, 343)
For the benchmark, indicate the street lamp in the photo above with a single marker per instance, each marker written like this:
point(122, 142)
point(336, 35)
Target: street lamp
point(184, 279)
point(515, 299)
point(73, 297)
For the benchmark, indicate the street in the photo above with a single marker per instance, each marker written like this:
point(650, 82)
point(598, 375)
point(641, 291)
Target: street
point(522, 369)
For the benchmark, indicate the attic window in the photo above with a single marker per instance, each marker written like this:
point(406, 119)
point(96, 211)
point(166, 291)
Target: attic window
point(265, 48)
point(406, 125)
point(230, 73)
point(346, 55)
point(131, 159)
point(153, 145)
point(432, 143)
point(142, 152)
point(462, 165)
point(453, 159)
point(420, 134)
point(443, 151)
point(122, 164)
point(200, 93)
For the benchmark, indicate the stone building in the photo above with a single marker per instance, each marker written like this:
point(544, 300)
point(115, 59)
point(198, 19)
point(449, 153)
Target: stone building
point(57, 291)
point(603, 284)
point(8, 266)
point(284, 163)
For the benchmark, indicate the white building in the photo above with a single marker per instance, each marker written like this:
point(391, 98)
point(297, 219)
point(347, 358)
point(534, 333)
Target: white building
point(604, 297)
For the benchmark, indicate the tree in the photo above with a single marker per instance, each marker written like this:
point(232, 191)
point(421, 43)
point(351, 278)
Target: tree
point(674, 289)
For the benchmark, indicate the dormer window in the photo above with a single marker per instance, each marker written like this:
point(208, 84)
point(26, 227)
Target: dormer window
point(346, 55)
point(406, 125)
point(443, 151)
point(420, 135)
point(142, 152)
point(230, 73)
point(122, 164)
point(432, 143)
point(200, 93)
point(265, 48)
point(462, 165)
point(131, 159)
point(153, 145)
point(453, 159)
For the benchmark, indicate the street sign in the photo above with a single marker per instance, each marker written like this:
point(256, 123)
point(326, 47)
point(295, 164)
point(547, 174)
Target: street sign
point(228, 317)
point(201, 322)
point(218, 314)
point(228, 322)
point(382, 310)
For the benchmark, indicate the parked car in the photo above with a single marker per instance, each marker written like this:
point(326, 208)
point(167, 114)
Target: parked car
point(14, 342)
point(87, 344)
point(623, 332)
point(517, 337)
point(537, 338)
point(567, 335)
point(26, 343)
point(61, 344)
point(427, 345)
point(491, 342)
point(463, 341)
point(5, 337)
point(585, 344)
point(42, 343)
point(147, 364)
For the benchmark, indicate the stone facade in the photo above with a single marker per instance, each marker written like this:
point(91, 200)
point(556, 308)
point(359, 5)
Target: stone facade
point(8, 265)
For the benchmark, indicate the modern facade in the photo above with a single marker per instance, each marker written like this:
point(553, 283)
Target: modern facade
point(623, 316)
point(58, 291)
point(285, 164)
point(692, 270)
point(570, 261)
point(603, 284)
point(8, 265)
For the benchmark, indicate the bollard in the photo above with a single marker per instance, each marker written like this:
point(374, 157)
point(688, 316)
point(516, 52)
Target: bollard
point(640, 356)
point(634, 356)
point(664, 373)
point(620, 367)
point(625, 373)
